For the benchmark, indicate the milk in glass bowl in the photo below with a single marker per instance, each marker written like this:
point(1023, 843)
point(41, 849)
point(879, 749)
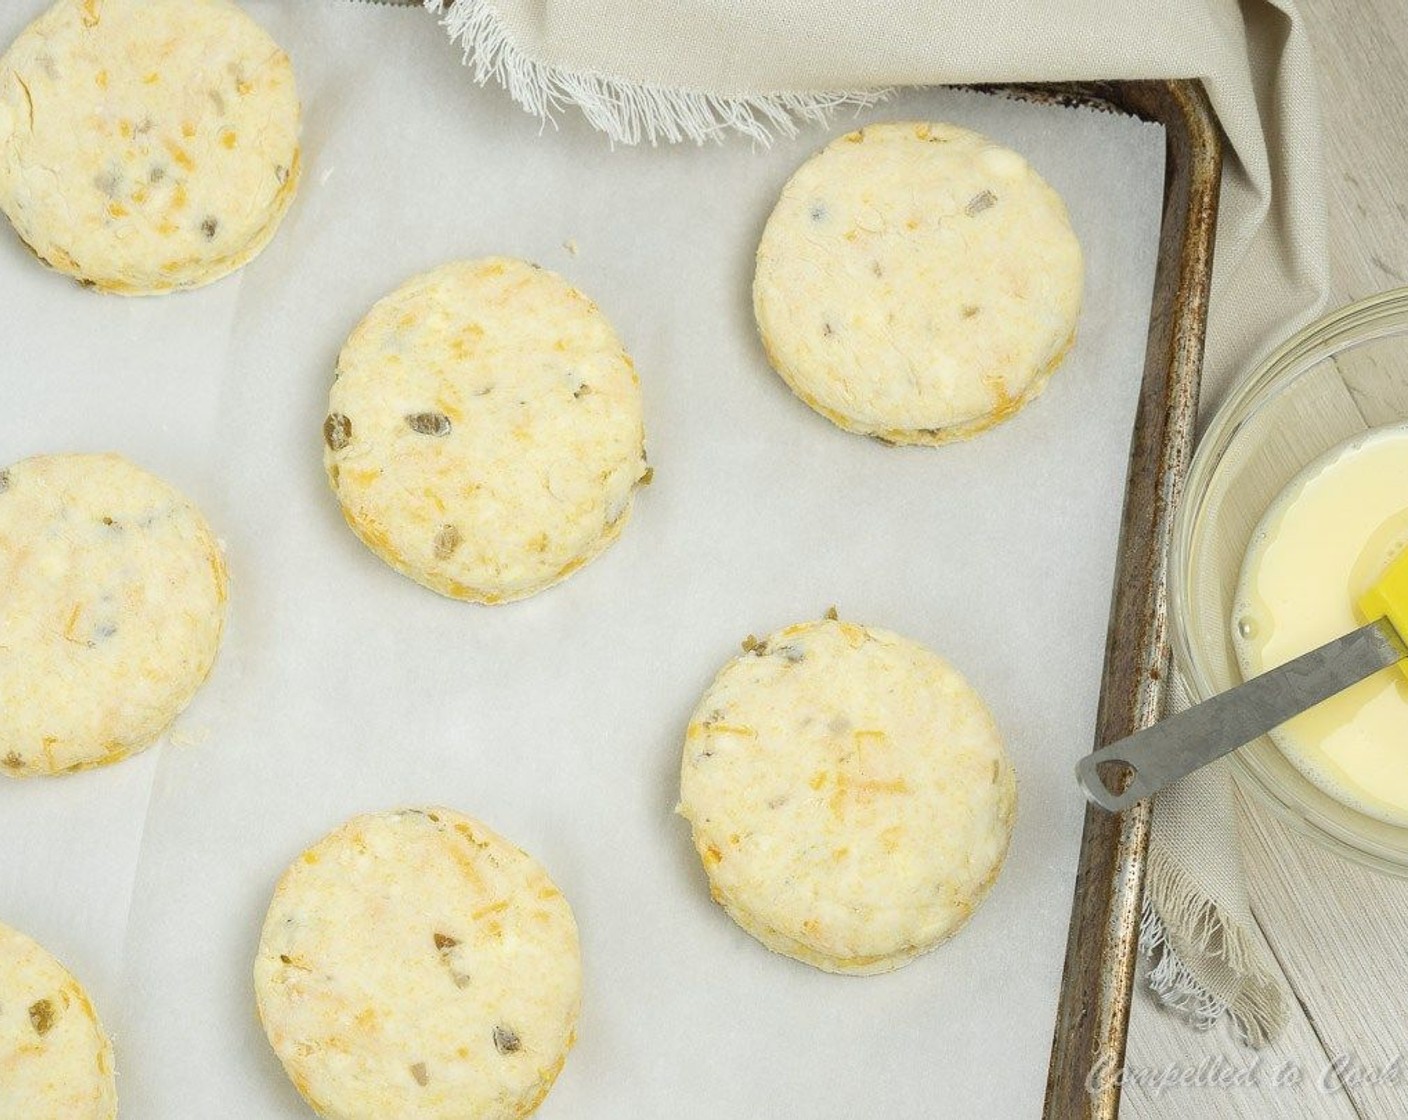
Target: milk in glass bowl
point(1296, 501)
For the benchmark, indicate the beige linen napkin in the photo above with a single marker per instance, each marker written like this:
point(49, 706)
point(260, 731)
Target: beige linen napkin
point(695, 69)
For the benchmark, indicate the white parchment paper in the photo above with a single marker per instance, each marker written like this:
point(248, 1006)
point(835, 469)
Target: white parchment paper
point(343, 687)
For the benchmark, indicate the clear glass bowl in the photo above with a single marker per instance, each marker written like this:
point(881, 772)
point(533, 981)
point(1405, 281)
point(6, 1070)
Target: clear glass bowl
point(1343, 374)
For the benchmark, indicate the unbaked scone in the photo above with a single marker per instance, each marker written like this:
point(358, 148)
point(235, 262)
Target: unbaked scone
point(146, 145)
point(415, 963)
point(917, 282)
point(55, 1059)
point(111, 615)
point(849, 795)
point(484, 433)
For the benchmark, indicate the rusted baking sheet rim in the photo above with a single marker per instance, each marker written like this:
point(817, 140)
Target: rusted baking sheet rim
point(1098, 981)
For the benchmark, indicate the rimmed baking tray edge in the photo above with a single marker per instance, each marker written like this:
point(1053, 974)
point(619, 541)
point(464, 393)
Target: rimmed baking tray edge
point(1098, 979)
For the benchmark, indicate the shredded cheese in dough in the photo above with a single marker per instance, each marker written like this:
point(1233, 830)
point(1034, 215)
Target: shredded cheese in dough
point(917, 282)
point(415, 963)
point(55, 1059)
point(867, 812)
point(485, 433)
point(112, 614)
point(146, 145)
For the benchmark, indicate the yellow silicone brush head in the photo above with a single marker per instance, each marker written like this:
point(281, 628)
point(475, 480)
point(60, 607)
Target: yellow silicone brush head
point(1388, 598)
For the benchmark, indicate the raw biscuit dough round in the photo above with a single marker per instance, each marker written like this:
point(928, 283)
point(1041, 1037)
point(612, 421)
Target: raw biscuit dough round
point(485, 434)
point(917, 282)
point(55, 1059)
point(111, 615)
point(849, 795)
point(146, 145)
point(415, 963)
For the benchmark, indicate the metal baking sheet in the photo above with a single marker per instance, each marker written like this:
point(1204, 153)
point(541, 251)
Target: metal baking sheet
point(343, 687)
point(1098, 979)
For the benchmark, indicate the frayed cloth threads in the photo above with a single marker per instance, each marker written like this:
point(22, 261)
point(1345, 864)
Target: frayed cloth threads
point(628, 112)
point(1186, 926)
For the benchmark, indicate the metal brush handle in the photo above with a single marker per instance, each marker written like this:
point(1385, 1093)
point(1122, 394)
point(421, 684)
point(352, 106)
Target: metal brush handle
point(1173, 748)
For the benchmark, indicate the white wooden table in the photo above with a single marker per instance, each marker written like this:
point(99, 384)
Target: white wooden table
point(1339, 934)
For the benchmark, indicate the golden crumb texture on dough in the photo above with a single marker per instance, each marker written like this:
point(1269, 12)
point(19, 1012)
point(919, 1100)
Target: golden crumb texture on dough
point(415, 963)
point(917, 282)
point(56, 1061)
point(147, 145)
point(484, 432)
point(112, 614)
point(848, 793)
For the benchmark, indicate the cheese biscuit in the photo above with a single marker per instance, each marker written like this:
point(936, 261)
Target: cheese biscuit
point(917, 282)
point(112, 612)
point(484, 433)
point(55, 1060)
point(415, 963)
point(849, 795)
point(146, 145)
